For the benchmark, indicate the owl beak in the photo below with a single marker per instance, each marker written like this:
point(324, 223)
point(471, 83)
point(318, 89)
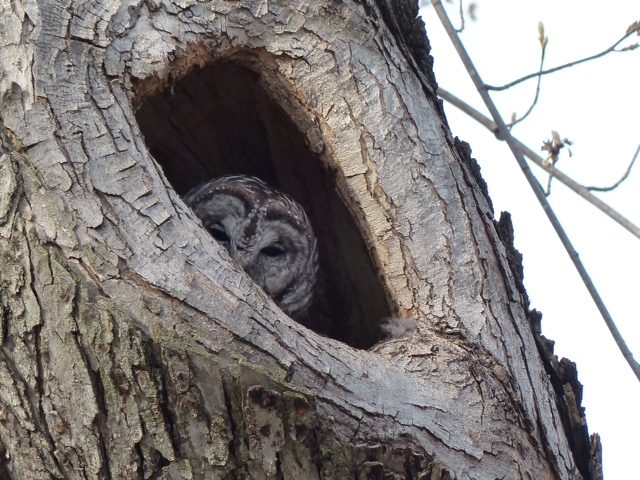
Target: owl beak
point(243, 262)
point(243, 257)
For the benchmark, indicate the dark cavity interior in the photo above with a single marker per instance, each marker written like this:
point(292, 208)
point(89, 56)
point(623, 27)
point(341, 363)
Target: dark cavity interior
point(221, 120)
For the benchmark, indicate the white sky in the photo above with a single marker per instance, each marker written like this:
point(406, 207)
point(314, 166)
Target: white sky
point(596, 106)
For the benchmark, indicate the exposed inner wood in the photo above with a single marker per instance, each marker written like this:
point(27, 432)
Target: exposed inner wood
point(221, 120)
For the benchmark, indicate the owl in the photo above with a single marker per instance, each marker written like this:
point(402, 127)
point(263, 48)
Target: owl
point(266, 232)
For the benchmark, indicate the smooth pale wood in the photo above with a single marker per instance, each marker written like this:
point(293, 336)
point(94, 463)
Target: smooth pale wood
point(132, 347)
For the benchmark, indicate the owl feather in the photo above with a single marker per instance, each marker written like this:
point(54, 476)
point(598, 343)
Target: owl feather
point(266, 232)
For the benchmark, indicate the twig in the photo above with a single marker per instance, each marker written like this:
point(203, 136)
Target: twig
point(548, 190)
point(539, 161)
point(461, 13)
point(543, 44)
point(537, 189)
point(560, 67)
point(554, 147)
point(624, 177)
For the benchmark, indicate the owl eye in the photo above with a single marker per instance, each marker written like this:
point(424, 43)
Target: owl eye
point(273, 251)
point(218, 232)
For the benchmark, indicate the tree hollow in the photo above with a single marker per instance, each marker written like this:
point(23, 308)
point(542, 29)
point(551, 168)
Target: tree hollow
point(223, 119)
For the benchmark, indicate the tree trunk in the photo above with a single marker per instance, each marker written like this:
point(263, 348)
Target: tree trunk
point(133, 347)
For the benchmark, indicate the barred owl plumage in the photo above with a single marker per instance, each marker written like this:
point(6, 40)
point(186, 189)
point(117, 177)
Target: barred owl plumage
point(266, 232)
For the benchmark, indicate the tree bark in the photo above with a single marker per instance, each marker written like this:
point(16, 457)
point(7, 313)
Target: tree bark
point(132, 346)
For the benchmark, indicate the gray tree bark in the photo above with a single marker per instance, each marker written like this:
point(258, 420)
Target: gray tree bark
point(131, 345)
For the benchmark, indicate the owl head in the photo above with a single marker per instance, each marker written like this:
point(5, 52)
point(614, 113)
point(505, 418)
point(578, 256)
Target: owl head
point(266, 232)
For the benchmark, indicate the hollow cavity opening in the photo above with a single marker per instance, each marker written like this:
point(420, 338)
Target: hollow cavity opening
point(222, 119)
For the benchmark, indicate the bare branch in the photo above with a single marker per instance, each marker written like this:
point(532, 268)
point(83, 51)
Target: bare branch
point(547, 192)
point(554, 146)
point(537, 189)
point(624, 177)
point(612, 48)
point(544, 41)
point(461, 13)
point(539, 161)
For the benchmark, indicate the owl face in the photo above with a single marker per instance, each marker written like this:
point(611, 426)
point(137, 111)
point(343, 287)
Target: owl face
point(266, 232)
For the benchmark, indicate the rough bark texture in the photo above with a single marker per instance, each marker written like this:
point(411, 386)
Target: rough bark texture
point(131, 346)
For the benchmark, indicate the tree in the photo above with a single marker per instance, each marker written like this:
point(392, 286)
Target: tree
point(132, 347)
